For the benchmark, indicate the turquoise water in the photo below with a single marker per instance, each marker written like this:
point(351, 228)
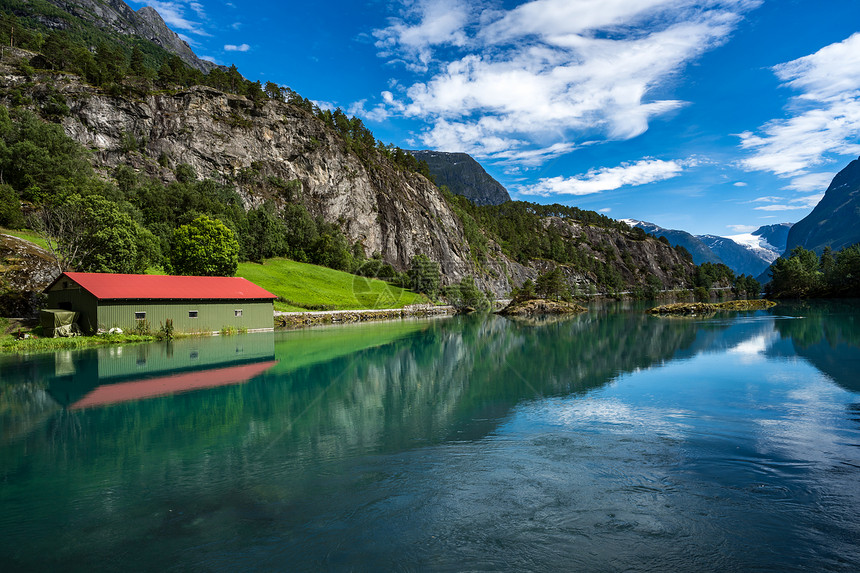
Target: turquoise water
point(612, 441)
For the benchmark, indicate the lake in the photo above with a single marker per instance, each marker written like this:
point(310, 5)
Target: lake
point(613, 441)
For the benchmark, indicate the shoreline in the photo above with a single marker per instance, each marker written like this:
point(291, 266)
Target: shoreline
point(297, 319)
point(315, 317)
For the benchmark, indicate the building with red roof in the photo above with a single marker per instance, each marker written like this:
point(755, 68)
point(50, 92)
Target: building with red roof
point(194, 304)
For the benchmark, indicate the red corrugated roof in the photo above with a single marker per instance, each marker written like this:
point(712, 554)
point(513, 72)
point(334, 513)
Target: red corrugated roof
point(106, 286)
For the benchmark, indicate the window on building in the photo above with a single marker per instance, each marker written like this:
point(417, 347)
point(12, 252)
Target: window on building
point(237, 312)
point(140, 315)
point(192, 314)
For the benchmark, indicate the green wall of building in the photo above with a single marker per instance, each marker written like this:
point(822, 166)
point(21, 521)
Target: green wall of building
point(212, 315)
point(69, 296)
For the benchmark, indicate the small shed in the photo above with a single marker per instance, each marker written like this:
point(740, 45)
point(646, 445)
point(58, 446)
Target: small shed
point(194, 304)
point(58, 323)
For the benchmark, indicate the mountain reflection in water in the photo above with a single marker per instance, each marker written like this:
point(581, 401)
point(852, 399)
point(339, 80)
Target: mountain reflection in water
point(612, 440)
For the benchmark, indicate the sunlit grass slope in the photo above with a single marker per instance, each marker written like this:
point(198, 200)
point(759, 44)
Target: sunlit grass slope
point(302, 286)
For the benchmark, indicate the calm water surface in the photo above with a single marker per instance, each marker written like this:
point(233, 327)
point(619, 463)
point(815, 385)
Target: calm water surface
point(609, 442)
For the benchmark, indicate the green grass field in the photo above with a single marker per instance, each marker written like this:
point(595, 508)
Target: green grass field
point(310, 287)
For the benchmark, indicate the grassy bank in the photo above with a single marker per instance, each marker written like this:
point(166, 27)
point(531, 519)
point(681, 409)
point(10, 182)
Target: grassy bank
point(8, 343)
point(301, 286)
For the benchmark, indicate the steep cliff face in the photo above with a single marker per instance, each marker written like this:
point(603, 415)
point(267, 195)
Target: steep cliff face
point(394, 212)
point(635, 258)
point(117, 16)
point(464, 176)
point(833, 222)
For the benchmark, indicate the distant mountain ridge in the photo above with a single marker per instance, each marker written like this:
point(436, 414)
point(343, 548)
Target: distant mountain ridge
point(743, 258)
point(748, 253)
point(700, 251)
point(464, 176)
point(834, 220)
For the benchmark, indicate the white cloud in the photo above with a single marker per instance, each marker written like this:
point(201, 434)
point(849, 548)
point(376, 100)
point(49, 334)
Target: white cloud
point(807, 202)
point(741, 184)
point(436, 23)
point(608, 178)
point(378, 113)
point(210, 59)
point(324, 105)
point(548, 72)
point(535, 157)
point(811, 182)
point(239, 48)
point(198, 9)
point(742, 228)
point(605, 210)
point(824, 119)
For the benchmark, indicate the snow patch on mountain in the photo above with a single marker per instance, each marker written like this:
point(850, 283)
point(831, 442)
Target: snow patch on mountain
point(757, 245)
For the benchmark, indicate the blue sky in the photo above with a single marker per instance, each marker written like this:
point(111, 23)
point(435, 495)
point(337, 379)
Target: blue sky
point(713, 116)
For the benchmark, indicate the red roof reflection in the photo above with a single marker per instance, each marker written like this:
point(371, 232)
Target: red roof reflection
point(165, 385)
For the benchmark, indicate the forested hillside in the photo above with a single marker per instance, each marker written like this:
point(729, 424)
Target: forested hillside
point(138, 149)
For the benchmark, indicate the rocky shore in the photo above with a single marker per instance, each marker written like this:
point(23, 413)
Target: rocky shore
point(310, 318)
point(540, 307)
point(698, 309)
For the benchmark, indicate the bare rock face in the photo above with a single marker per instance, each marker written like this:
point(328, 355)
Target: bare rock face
point(25, 271)
point(396, 213)
point(393, 212)
point(636, 258)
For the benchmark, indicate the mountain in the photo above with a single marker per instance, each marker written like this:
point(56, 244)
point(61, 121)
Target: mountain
point(833, 222)
point(747, 253)
point(276, 150)
point(700, 251)
point(774, 237)
point(750, 253)
point(112, 16)
point(464, 176)
point(741, 258)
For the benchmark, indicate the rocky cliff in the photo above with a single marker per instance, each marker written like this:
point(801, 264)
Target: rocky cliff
point(464, 176)
point(391, 211)
point(25, 271)
point(117, 16)
point(833, 222)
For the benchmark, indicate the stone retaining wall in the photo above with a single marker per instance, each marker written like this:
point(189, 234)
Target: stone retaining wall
point(293, 319)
